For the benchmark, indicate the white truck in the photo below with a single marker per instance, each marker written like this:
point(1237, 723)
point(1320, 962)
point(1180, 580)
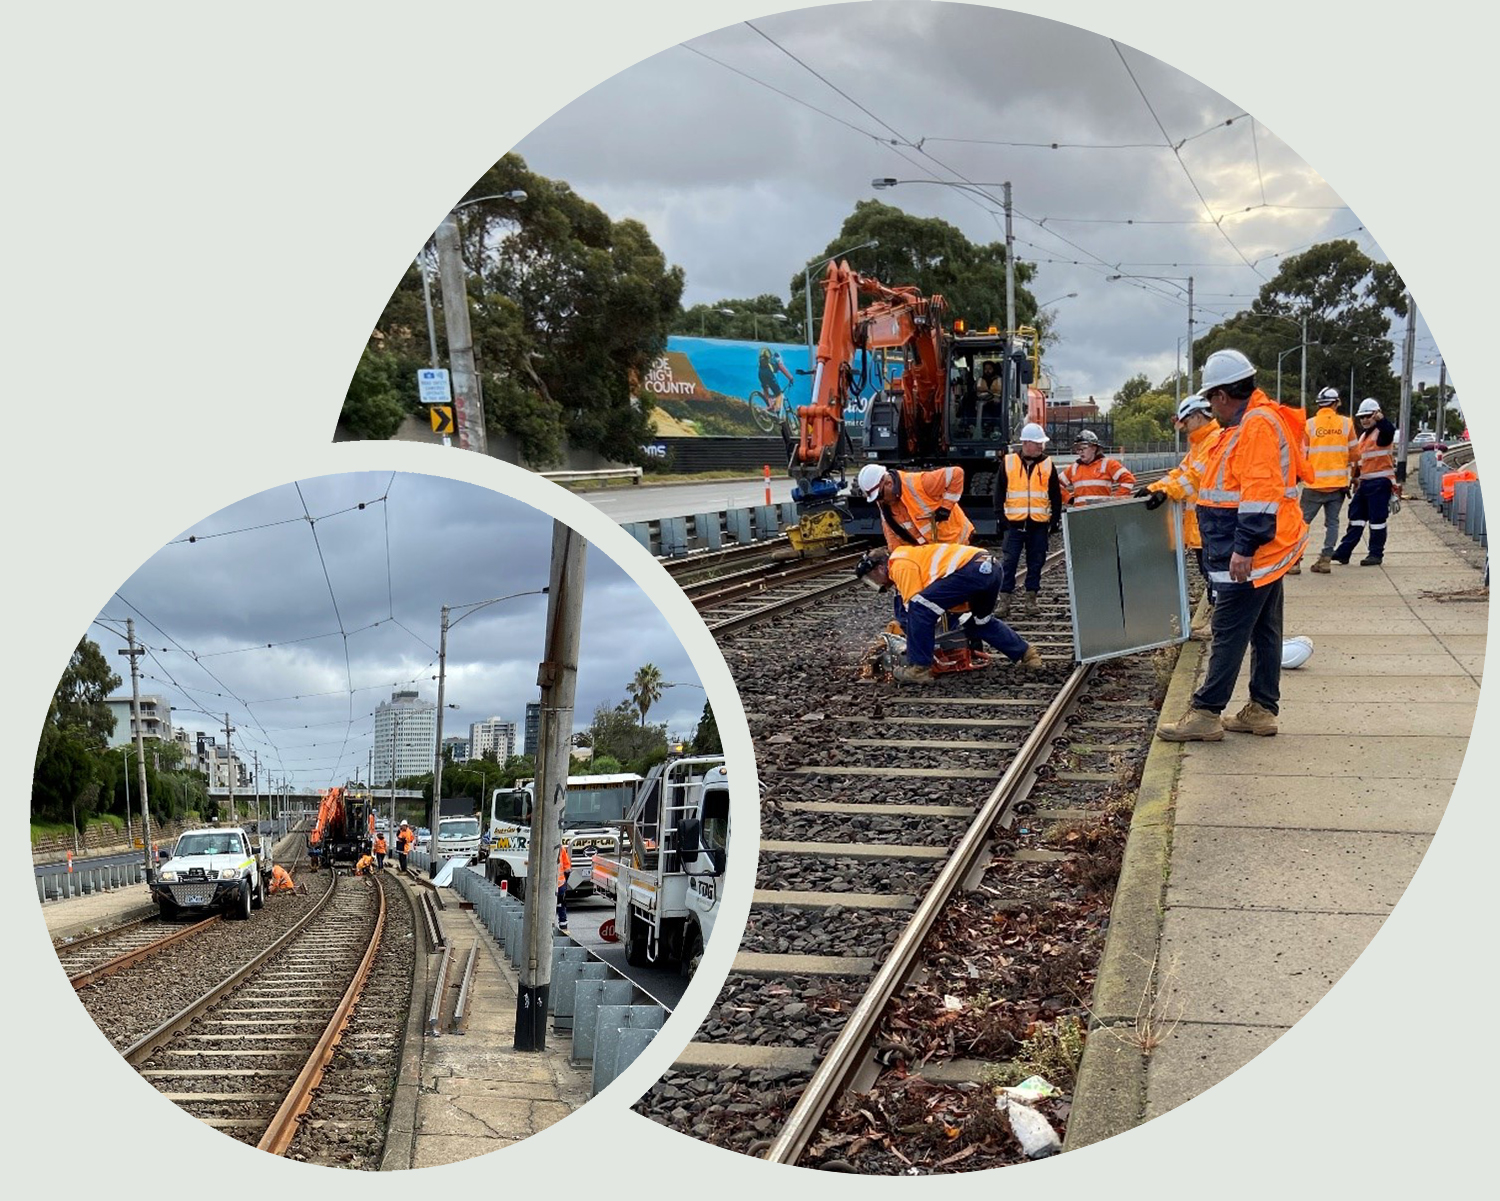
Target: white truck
point(212, 868)
point(666, 880)
point(591, 813)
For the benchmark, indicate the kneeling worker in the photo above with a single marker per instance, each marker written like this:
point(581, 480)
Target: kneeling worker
point(365, 867)
point(281, 881)
point(1028, 507)
point(932, 581)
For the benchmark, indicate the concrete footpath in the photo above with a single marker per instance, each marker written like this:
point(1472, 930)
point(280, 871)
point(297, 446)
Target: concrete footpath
point(462, 1095)
point(1258, 869)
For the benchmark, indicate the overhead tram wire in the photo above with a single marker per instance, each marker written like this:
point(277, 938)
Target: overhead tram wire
point(1214, 128)
point(266, 525)
point(322, 562)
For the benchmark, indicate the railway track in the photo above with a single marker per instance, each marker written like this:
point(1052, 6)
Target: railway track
point(934, 866)
point(88, 960)
point(246, 1056)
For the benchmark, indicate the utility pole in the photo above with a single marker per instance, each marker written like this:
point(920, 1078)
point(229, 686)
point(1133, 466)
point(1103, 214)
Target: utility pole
point(1010, 274)
point(1442, 408)
point(558, 677)
point(468, 402)
point(140, 748)
point(395, 726)
point(427, 305)
point(229, 765)
point(1408, 356)
point(437, 768)
point(255, 779)
point(1302, 387)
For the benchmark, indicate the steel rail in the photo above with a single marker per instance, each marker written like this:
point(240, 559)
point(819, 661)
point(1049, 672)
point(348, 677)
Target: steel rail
point(73, 945)
point(284, 1126)
point(130, 958)
point(847, 1051)
point(755, 580)
point(140, 1050)
point(726, 625)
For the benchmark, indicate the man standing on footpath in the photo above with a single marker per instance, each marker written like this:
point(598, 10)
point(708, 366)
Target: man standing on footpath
point(1028, 508)
point(1252, 532)
point(1331, 449)
point(1376, 471)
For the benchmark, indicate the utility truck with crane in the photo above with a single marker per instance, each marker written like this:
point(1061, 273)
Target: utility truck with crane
point(667, 876)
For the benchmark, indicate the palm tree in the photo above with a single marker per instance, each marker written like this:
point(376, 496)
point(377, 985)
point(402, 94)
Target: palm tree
point(645, 690)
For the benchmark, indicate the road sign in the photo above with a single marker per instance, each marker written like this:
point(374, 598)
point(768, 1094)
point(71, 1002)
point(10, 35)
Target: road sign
point(432, 386)
point(442, 419)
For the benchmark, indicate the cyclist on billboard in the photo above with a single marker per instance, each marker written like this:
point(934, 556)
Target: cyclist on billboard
point(770, 365)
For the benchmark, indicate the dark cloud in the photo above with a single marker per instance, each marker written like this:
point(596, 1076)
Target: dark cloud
point(364, 614)
point(740, 186)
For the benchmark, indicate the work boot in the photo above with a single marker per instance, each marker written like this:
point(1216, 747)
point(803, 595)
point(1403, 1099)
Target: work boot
point(1002, 606)
point(1031, 605)
point(1031, 660)
point(1323, 565)
point(1196, 725)
point(1370, 561)
point(910, 673)
point(1252, 719)
point(1296, 568)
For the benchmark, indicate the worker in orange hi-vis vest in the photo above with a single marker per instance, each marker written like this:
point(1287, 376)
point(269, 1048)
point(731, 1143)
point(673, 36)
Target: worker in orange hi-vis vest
point(1375, 471)
point(1253, 532)
point(380, 851)
point(1332, 448)
point(281, 881)
point(564, 866)
point(931, 581)
point(1093, 476)
point(917, 507)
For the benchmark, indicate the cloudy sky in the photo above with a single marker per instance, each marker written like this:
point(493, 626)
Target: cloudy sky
point(255, 576)
point(744, 150)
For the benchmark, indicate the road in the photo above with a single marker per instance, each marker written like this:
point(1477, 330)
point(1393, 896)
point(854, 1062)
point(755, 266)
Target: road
point(122, 859)
point(645, 503)
point(665, 984)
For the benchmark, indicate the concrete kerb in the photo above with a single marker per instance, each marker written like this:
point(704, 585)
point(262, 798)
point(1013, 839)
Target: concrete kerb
point(1109, 1096)
point(401, 1123)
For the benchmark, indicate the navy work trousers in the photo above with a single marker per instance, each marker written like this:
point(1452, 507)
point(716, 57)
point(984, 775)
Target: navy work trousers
point(976, 584)
point(1244, 617)
point(1371, 506)
point(1034, 543)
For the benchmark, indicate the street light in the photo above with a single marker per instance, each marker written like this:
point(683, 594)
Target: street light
point(703, 317)
point(1174, 279)
point(437, 771)
point(1054, 300)
point(1292, 350)
point(807, 283)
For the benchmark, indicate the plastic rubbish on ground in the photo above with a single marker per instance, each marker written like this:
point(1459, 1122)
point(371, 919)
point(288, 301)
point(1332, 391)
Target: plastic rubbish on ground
point(1032, 1130)
point(1030, 1090)
point(1295, 651)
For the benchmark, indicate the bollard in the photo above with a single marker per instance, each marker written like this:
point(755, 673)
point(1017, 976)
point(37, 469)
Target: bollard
point(624, 1032)
point(588, 996)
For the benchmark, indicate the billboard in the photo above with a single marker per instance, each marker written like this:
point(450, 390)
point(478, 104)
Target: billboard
point(724, 387)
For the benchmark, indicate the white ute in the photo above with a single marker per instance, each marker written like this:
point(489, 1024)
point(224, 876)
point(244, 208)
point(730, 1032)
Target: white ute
point(211, 868)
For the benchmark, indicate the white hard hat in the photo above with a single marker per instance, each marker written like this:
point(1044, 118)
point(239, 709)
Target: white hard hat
point(1088, 437)
point(1225, 367)
point(1295, 651)
point(1368, 405)
point(1032, 432)
point(869, 477)
point(1192, 404)
point(1328, 396)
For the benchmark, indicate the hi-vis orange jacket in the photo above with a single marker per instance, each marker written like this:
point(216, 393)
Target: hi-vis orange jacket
point(1103, 479)
point(1246, 497)
point(1181, 483)
point(1331, 447)
point(913, 568)
point(564, 866)
point(380, 847)
point(1376, 462)
point(281, 880)
point(910, 519)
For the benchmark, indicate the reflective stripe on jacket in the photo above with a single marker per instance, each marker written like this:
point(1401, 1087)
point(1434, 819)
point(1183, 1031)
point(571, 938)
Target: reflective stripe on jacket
point(1103, 479)
point(1245, 496)
point(1181, 483)
point(1376, 462)
point(919, 495)
point(913, 568)
point(1026, 491)
point(1331, 447)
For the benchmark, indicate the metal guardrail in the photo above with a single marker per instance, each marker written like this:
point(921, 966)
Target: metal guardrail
point(63, 885)
point(673, 537)
point(1466, 508)
point(633, 474)
point(610, 1019)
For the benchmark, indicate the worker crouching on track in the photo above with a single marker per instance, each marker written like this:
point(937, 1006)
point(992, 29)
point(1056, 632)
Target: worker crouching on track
point(932, 581)
point(380, 850)
point(564, 866)
point(1253, 532)
point(1195, 417)
point(917, 507)
point(365, 867)
point(1028, 506)
point(1375, 469)
point(1094, 476)
point(281, 881)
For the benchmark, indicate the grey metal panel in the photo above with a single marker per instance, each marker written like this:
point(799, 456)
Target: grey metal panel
point(737, 522)
point(766, 525)
point(706, 527)
point(1126, 578)
point(588, 996)
point(622, 1033)
point(566, 964)
point(674, 539)
point(641, 532)
point(563, 1005)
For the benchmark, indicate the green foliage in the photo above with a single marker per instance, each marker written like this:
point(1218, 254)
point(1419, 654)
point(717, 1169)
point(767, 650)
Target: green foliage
point(380, 395)
point(1136, 386)
point(1143, 418)
point(78, 709)
point(516, 767)
point(929, 254)
point(645, 689)
point(706, 740)
point(765, 318)
point(723, 416)
point(599, 765)
point(1348, 300)
point(617, 733)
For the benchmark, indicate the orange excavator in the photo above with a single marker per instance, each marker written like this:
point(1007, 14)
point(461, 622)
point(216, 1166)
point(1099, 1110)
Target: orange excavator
point(944, 395)
point(344, 829)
